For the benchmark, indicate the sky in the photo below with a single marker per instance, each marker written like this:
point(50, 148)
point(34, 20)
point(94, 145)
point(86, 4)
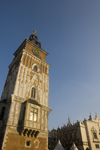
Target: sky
point(70, 32)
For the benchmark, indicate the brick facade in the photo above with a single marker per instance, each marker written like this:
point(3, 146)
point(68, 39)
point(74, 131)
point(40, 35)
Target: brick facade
point(18, 142)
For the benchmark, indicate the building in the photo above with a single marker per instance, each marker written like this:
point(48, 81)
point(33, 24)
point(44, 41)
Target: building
point(24, 105)
point(52, 139)
point(85, 135)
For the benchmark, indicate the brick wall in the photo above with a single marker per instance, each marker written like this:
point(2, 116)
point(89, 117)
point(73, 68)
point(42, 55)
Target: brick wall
point(18, 142)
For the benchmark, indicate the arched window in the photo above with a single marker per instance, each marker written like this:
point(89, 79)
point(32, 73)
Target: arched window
point(35, 68)
point(33, 93)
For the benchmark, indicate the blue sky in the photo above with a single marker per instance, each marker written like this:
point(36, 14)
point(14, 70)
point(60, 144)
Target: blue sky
point(70, 32)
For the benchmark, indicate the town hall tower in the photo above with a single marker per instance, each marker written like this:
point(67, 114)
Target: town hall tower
point(24, 105)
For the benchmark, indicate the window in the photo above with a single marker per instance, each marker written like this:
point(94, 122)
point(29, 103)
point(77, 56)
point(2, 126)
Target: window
point(94, 135)
point(96, 145)
point(2, 113)
point(33, 93)
point(35, 68)
point(33, 114)
point(28, 143)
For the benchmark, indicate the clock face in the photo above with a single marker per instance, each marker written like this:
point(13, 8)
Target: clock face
point(36, 51)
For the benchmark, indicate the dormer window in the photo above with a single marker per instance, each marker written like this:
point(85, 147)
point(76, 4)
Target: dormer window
point(33, 93)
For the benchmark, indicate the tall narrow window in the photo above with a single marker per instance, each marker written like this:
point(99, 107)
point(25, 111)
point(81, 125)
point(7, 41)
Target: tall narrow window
point(33, 114)
point(33, 93)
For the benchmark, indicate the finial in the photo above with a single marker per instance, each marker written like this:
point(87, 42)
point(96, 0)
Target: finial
point(69, 122)
point(96, 116)
point(90, 117)
point(34, 32)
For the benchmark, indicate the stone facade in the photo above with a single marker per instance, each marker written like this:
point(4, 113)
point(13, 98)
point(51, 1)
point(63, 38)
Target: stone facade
point(24, 105)
point(85, 135)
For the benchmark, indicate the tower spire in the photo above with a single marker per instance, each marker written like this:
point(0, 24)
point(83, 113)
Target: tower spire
point(69, 122)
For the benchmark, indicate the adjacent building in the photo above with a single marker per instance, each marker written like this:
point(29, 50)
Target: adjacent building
point(85, 135)
point(24, 105)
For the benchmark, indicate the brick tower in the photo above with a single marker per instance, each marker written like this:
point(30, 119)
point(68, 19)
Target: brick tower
point(24, 105)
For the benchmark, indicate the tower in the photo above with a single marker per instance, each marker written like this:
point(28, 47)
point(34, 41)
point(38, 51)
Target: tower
point(24, 105)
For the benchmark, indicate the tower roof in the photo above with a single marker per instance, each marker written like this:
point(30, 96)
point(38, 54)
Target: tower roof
point(34, 39)
point(34, 43)
point(33, 102)
point(59, 146)
point(73, 147)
